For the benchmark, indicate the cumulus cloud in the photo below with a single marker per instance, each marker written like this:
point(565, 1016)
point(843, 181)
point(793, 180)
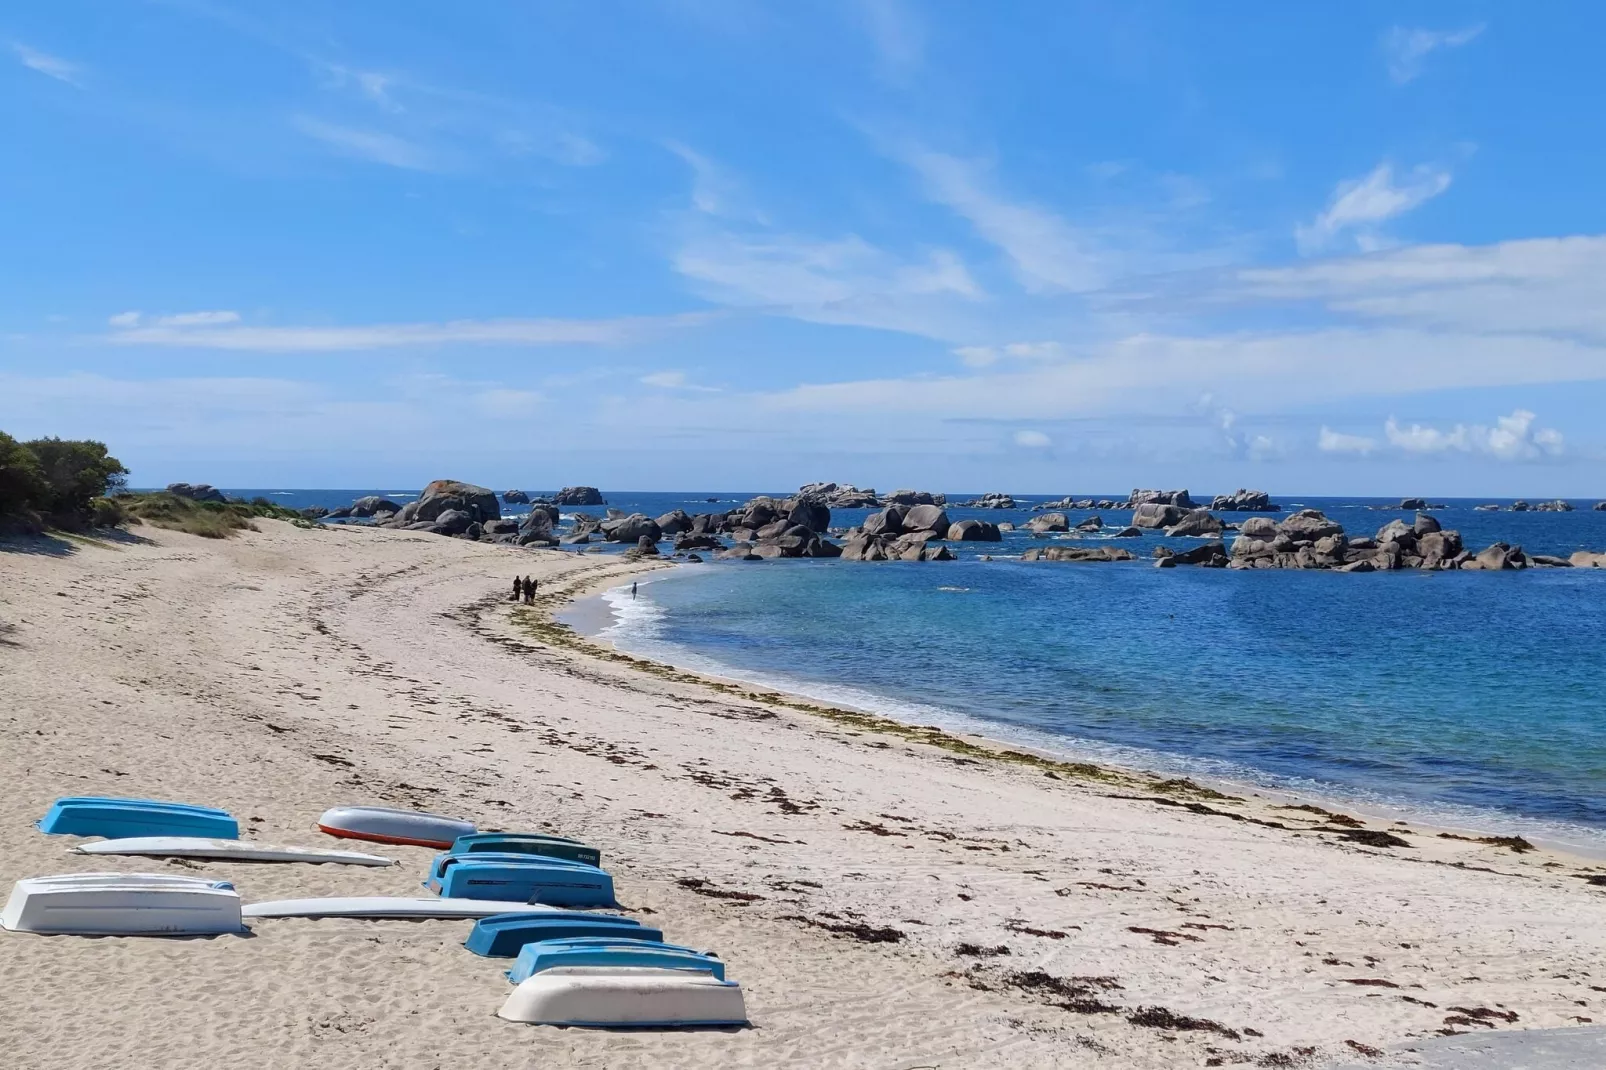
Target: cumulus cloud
point(1512, 438)
point(1359, 206)
point(1406, 48)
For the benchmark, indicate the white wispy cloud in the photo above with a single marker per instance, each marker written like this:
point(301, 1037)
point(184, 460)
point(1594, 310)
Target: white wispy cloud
point(1510, 438)
point(373, 86)
point(984, 356)
point(228, 334)
point(1330, 441)
point(51, 66)
point(1359, 206)
point(1406, 48)
point(1032, 440)
point(898, 36)
point(715, 191)
point(363, 144)
point(1048, 253)
point(1532, 286)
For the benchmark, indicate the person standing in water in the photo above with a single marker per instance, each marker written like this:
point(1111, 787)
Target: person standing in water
point(632, 589)
point(518, 588)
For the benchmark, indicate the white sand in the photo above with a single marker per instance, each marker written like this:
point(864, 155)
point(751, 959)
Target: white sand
point(248, 673)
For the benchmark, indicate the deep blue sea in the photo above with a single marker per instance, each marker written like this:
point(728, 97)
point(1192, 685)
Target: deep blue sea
point(1473, 699)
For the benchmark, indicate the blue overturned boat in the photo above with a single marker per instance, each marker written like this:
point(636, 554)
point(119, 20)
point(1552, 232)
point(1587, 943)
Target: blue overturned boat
point(500, 936)
point(95, 815)
point(520, 878)
point(528, 843)
point(607, 953)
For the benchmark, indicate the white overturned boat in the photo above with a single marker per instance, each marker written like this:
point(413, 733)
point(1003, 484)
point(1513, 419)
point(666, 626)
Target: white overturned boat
point(122, 904)
point(384, 906)
point(225, 850)
point(603, 997)
point(382, 824)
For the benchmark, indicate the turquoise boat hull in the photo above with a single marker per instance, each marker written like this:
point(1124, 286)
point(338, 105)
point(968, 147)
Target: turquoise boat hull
point(529, 843)
point(94, 815)
point(521, 878)
point(604, 952)
point(502, 935)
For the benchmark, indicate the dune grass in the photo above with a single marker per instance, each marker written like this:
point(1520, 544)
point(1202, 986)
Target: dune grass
point(211, 520)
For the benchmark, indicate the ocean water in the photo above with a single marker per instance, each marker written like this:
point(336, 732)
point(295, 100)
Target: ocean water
point(1475, 700)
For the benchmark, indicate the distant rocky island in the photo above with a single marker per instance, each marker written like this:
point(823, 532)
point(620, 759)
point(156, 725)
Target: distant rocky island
point(913, 525)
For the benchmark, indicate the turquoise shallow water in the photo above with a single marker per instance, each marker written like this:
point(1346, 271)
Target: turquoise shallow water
point(1474, 699)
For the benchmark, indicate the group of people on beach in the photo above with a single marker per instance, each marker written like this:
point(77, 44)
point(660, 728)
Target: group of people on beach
point(524, 587)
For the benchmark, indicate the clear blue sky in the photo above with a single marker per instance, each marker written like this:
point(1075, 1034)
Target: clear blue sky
point(1038, 247)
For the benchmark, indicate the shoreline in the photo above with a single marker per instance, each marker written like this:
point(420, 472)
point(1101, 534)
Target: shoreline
point(887, 895)
point(595, 616)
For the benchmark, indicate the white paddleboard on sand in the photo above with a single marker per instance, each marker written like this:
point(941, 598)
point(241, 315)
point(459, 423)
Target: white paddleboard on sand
point(384, 906)
point(225, 850)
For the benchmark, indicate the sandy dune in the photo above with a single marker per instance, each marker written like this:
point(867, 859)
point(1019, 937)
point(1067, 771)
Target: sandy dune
point(290, 670)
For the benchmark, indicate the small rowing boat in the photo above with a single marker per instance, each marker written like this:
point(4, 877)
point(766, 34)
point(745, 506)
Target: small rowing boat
point(603, 997)
point(113, 818)
point(225, 851)
point(122, 904)
point(382, 824)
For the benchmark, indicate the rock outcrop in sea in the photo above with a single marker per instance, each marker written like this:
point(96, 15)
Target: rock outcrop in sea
point(515, 497)
point(200, 492)
point(580, 496)
point(1245, 501)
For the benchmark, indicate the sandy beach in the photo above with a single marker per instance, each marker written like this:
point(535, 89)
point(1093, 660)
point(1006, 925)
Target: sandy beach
point(887, 897)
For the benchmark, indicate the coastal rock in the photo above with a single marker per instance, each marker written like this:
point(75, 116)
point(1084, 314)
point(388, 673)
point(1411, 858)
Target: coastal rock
point(1092, 523)
point(1244, 501)
point(1128, 533)
point(1396, 531)
point(372, 504)
point(1197, 522)
point(515, 497)
point(674, 522)
point(863, 546)
point(888, 521)
point(1076, 553)
point(451, 522)
point(742, 551)
point(474, 531)
point(632, 528)
point(445, 495)
point(840, 495)
point(578, 538)
point(314, 512)
point(199, 492)
point(505, 526)
point(1438, 548)
point(1520, 506)
point(1413, 504)
point(1495, 508)
point(1547, 561)
point(647, 546)
point(538, 525)
point(693, 541)
point(1557, 506)
point(1600, 507)
point(1178, 498)
point(1308, 525)
point(1207, 555)
point(974, 531)
point(1258, 527)
point(1500, 557)
point(926, 518)
point(1048, 522)
point(915, 497)
point(1425, 524)
point(579, 496)
point(808, 512)
point(1158, 514)
point(1588, 559)
point(995, 500)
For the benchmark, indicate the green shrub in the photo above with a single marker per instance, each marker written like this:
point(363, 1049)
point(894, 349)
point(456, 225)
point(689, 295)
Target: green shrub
point(75, 474)
point(107, 513)
point(23, 490)
point(211, 520)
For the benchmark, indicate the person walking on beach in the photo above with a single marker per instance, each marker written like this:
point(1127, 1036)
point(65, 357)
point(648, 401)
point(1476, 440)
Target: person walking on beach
point(632, 590)
point(529, 591)
point(518, 588)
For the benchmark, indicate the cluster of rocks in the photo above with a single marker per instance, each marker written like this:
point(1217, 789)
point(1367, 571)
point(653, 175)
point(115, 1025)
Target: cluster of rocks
point(580, 496)
point(1520, 506)
point(841, 496)
point(1076, 553)
point(913, 533)
point(1309, 539)
point(1245, 501)
point(995, 500)
point(515, 497)
point(1080, 503)
point(200, 492)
